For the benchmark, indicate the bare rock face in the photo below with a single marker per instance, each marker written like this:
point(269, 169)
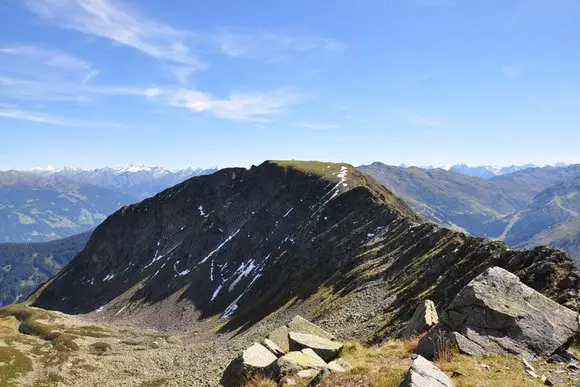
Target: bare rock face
point(423, 319)
point(325, 348)
point(497, 313)
point(423, 373)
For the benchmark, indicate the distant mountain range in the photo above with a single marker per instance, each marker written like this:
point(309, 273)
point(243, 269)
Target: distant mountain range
point(34, 208)
point(48, 204)
point(136, 180)
point(526, 208)
point(488, 171)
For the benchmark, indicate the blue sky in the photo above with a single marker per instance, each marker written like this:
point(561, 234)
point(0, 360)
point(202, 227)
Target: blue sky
point(90, 83)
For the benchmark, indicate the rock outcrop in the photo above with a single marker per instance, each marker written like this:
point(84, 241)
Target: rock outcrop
point(423, 373)
point(309, 356)
point(255, 360)
point(423, 319)
point(499, 314)
point(325, 348)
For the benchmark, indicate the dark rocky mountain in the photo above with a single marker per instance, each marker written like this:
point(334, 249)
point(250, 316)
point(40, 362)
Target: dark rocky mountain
point(135, 180)
point(528, 208)
point(35, 208)
point(24, 266)
point(250, 245)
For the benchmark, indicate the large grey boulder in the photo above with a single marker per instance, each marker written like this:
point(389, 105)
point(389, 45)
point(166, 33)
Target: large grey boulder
point(255, 360)
point(497, 313)
point(423, 373)
point(273, 347)
point(423, 319)
point(296, 361)
point(300, 324)
point(258, 357)
point(325, 348)
point(279, 336)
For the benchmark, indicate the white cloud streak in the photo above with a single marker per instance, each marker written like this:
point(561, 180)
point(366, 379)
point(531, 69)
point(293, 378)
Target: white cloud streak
point(89, 76)
point(269, 46)
point(246, 106)
point(12, 112)
point(110, 20)
point(51, 58)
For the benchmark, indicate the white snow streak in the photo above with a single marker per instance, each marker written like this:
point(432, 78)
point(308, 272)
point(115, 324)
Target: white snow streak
point(200, 208)
point(216, 292)
point(157, 257)
point(109, 277)
point(245, 269)
point(219, 247)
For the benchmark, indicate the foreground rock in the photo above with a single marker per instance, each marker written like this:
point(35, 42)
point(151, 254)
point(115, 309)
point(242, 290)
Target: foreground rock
point(256, 360)
point(273, 347)
point(299, 351)
point(423, 373)
point(423, 319)
point(296, 361)
point(326, 349)
point(497, 313)
point(300, 324)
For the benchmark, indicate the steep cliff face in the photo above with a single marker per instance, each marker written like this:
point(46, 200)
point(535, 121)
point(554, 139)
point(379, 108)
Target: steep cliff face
point(245, 244)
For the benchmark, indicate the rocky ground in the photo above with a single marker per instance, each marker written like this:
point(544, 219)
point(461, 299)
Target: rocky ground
point(88, 353)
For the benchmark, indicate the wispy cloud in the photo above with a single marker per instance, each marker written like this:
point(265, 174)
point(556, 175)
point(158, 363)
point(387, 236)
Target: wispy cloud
point(41, 90)
point(30, 71)
point(264, 45)
point(181, 73)
point(120, 24)
point(90, 75)
point(48, 57)
point(66, 90)
point(12, 112)
point(246, 106)
point(318, 125)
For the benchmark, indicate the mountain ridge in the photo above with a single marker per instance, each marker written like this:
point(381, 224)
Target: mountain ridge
point(243, 245)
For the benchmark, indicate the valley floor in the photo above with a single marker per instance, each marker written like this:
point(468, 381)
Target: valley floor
point(40, 348)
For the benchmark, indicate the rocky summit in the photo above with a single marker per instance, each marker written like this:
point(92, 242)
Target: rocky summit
point(244, 244)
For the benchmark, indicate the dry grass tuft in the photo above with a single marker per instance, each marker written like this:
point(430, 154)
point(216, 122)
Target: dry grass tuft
point(444, 350)
point(377, 365)
point(261, 381)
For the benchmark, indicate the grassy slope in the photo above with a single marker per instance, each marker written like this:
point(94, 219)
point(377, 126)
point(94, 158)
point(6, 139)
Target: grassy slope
point(385, 366)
